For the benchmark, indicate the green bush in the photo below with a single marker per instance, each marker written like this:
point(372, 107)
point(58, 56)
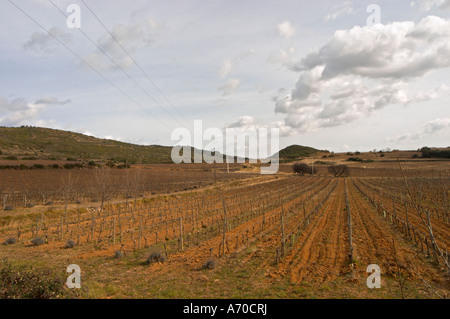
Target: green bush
point(25, 282)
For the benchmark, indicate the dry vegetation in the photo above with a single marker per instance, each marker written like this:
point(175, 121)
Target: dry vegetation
point(196, 233)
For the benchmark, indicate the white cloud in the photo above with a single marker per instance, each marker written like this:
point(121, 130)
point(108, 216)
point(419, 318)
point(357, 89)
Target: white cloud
point(228, 64)
point(247, 123)
point(427, 5)
point(286, 30)
point(51, 100)
point(225, 68)
point(339, 10)
point(286, 58)
point(427, 129)
point(130, 36)
point(244, 121)
point(19, 112)
point(44, 42)
point(229, 87)
point(365, 69)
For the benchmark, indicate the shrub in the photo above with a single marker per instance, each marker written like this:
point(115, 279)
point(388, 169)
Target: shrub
point(38, 241)
point(55, 166)
point(92, 163)
point(10, 241)
point(49, 203)
point(29, 205)
point(11, 158)
point(23, 167)
point(38, 166)
point(118, 254)
point(24, 282)
point(156, 257)
point(9, 207)
point(210, 264)
point(69, 166)
point(70, 244)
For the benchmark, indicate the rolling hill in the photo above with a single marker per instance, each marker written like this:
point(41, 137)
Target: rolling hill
point(296, 151)
point(44, 143)
point(50, 144)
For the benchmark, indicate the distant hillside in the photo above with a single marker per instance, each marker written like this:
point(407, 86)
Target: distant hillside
point(296, 151)
point(44, 143)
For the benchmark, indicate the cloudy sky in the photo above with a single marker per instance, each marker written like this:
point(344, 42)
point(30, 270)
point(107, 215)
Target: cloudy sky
point(317, 70)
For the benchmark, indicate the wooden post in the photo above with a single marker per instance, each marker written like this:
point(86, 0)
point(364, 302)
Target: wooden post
point(37, 227)
point(283, 240)
point(92, 227)
point(140, 234)
point(349, 216)
point(181, 234)
point(62, 228)
point(407, 220)
point(225, 222)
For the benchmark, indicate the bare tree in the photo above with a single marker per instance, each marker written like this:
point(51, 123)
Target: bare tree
point(136, 183)
point(103, 181)
point(302, 168)
point(338, 170)
point(67, 187)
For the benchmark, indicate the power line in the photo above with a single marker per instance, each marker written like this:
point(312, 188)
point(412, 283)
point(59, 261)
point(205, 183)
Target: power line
point(87, 64)
point(117, 65)
point(135, 62)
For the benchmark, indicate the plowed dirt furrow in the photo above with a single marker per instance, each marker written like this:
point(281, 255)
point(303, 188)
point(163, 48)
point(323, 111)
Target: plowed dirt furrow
point(262, 242)
point(375, 240)
point(321, 253)
point(440, 229)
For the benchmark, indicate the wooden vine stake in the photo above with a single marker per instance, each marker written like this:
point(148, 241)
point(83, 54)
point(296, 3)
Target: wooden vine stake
point(224, 224)
point(350, 254)
point(283, 240)
point(181, 234)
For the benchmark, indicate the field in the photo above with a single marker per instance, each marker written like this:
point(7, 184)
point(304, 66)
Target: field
point(235, 234)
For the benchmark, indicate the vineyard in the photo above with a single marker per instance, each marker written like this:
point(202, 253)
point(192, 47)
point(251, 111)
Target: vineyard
point(268, 236)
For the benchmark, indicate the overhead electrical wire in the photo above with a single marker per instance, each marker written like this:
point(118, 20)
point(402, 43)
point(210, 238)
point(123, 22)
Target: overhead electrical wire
point(135, 62)
point(88, 65)
point(118, 66)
